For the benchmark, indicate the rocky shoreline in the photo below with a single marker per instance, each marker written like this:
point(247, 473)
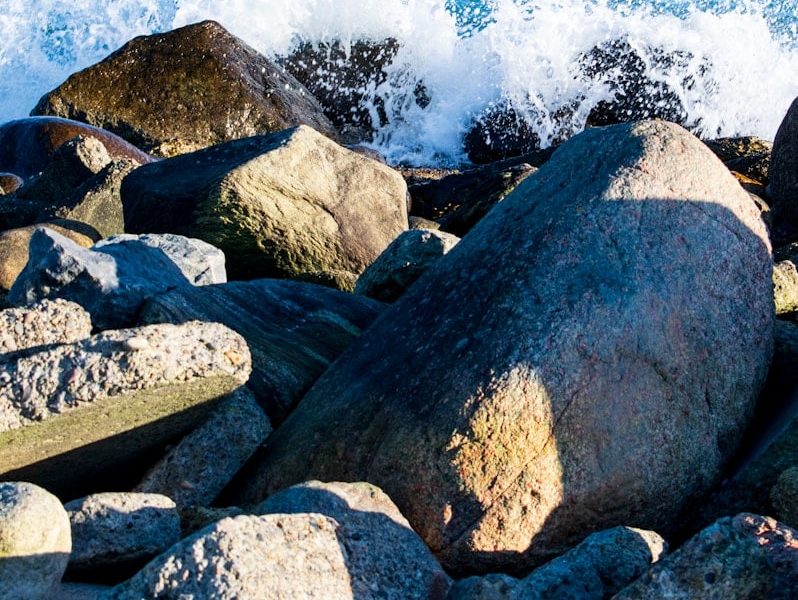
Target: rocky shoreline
point(564, 373)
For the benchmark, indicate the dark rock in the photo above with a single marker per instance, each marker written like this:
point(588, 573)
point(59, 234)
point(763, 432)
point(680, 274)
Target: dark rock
point(185, 89)
point(9, 183)
point(756, 167)
point(730, 149)
point(784, 497)
point(500, 132)
point(783, 186)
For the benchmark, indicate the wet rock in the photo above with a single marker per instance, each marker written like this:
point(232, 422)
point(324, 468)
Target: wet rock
point(386, 558)
point(783, 186)
point(185, 89)
point(278, 205)
point(500, 132)
point(294, 330)
point(785, 287)
point(230, 435)
point(402, 262)
point(76, 417)
point(10, 183)
point(756, 167)
point(747, 556)
point(784, 497)
point(559, 335)
point(35, 541)
point(46, 322)
point(730, 149)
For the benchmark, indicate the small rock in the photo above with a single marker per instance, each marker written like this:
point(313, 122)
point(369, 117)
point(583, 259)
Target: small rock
point(730, 149)
point(784, 496)
point(47, 322)
point(785, 287)
point(10, 183)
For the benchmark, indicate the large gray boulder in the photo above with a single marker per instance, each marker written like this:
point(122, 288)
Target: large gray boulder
point(387, 559)
point(35, 542)
point(278, 205)
point(587, 356)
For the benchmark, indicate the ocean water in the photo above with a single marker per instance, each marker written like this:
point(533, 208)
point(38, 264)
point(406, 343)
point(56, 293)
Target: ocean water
point(739, 79)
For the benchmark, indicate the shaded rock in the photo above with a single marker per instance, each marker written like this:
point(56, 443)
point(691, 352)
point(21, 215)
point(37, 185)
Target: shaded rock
point(746, 556)
point(552, 387)
point(80, 591)
point(46, 322)
point(28, 145)
point(76, 417)
point(10, 183)
point(500, 132)
point(278, 205)
point(185, 89)
point(35, 541)
point(422, 223)
point(784, 497)
point(755, 188)
point(785, 287)
point(230, 435)
point(730, 149)
point(112, 530)
point(273, 556)
point(338, 280)
point(756, 167)
point(194, 518)
point(294, 330)
point(783, 186)
point(402, 262)
point(115, 277)
point(603, 564)
point(386, 558)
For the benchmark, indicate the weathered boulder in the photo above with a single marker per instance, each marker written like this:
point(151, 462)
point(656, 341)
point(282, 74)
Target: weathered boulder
point(784, 497)
point(230, 435)
point(587, 356)
point(386, 558)
point(115, 277)
point(603, 564)
point(9, 183)
point(785, 287)
point(272, 556)
point(294, 330)
point(185, 89)
point(278, 205)
point(783, 186)
point(35, 541)
point(336, 279)
point(46, 322)
point(116, 530)
point(402, 262)
point(28, 145)
point(76, 417)
point(735, 558)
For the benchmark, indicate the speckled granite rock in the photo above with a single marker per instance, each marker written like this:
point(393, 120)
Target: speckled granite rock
point(46, 322)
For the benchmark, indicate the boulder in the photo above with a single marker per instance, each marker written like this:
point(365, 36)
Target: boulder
point(784, 497)
point(114, 278)
point(35, 542)
point(230, 435)
point(783, 186)
point(747, 556)
point(587, 356)
point(785, 287)
point(501, 131)
point(756, 167)
point(194, 518)
point(386, 558)
point(28, 145)
point(402, 262)
point(729, 149)
point(338, 280)
point(278, 205)
point(10, 183)
point(116, 530)
point(79, 416)
point(294, 330)
point(272, 556)
point(46, 322)
point(597, 568)
point(183, 90)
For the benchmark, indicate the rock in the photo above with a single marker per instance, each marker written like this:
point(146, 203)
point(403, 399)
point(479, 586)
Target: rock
point(756, 167)
point(28, 145)
point(730, 149)
point(194, 518)
point(278, 205)
point(785, 287)
point(600, 566)
point(35, 541)
point(422, 223)
point(230, 435)
point(14, 245)
point(386, 558)
point(186, 89)
point(80, 591)
point(550, 387)
point(746, 556)
point(113, 530)
point(783, 186)
point(10, 183)
point(44, 323)
point(499, 132)
point(337, 280)
point(402, 262)
point(272, 556)
point(114, 278)
point(294, 330)
point(784, 496)
point(78, 416)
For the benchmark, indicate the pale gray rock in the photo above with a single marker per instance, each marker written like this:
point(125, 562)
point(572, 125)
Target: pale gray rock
point(35, 541)
point(43, 323)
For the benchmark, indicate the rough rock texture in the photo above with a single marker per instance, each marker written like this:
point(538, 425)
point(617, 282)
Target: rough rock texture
point(733, 148)
point(592, 360)
point(113, 529)
point(784, 496)
point(500, 132)
point(736, 558)
point(600, 566)
point(28, 145)
point(194, 518)
point(386, 558)
point(46, 322)
point(198, 468)
point(785, 287)
point(756, 167)
point(14, 245)
point(278, 205)
point(185, 89)
point(338, 280)
point(69, 413)
point(115, 277)
point(35, 541)
point(402, 262)
point(9, 183)
point(273, 556)
point(783, 171)
point(294, 330)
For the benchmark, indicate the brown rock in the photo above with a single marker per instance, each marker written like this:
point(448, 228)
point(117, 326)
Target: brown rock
point(9, 183)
